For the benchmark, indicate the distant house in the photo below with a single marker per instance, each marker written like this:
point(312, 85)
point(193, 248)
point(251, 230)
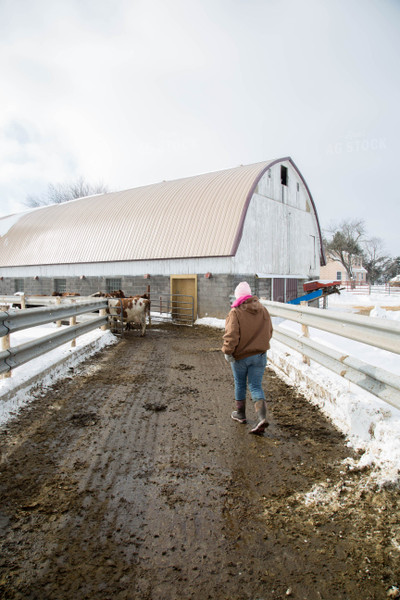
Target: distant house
point(335, 270)
point(395, 281)
point(197, 236)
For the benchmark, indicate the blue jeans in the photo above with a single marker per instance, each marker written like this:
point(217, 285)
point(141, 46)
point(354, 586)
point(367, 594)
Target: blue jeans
point(251, 368)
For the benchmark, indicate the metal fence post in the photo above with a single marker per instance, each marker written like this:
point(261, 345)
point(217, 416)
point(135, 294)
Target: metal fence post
point(306, 333)
point(72, 321)
point(5, 345)
point(58, 301)
point(149, 295)
point(103, 313)
point(23, 303)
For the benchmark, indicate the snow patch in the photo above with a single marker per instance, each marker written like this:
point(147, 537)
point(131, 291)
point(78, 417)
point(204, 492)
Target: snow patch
point(211, 322)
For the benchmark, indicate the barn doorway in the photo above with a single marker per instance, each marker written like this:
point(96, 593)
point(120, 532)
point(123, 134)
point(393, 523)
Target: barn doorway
point(184, 297)
point(283, 290)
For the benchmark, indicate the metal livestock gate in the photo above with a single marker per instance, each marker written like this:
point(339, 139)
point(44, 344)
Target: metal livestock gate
point(177, 309)
point(173, 308)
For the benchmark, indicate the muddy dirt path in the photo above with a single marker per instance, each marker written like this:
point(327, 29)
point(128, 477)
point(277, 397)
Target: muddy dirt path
point(129, 480)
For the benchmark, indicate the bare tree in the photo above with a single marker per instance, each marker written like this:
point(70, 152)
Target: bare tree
point(374, 259)
point(345, 243)
point(63, 192)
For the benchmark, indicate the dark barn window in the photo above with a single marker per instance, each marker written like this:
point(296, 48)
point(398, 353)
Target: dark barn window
point(19, 285)
point(60, 286)
point(112, 285)
point(284, 175)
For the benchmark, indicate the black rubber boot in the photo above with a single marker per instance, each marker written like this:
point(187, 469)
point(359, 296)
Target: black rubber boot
point(239, 415)
point(262, 423)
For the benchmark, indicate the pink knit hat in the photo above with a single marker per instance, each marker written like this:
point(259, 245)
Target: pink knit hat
point(243, 289)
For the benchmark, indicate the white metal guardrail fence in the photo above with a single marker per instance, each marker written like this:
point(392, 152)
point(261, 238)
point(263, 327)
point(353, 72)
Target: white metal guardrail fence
point(24, 301)
point(17, 320)
point(368, 289)
point(178, 309)
point(368, 330)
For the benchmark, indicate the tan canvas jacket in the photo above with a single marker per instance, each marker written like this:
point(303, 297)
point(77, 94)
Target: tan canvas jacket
point(248, 330)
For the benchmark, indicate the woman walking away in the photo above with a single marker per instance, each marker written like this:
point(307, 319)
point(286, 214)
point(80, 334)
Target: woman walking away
point(248, 330)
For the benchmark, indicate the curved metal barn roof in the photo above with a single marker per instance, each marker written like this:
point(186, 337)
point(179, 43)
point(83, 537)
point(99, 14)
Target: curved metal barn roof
point(197, 216)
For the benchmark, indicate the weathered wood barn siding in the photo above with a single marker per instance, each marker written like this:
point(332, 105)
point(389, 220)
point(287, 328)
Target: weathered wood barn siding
point(277, 239)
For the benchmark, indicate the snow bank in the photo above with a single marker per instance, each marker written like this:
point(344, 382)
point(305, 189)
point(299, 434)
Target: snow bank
point(211, 322)
point(381, 313)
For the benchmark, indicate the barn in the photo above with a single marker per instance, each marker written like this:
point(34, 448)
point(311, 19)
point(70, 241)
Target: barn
point(198, 236)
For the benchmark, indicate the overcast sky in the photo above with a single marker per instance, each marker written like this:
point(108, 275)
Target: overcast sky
point(132, 92)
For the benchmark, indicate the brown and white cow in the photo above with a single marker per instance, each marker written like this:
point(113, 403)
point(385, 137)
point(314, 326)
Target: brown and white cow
point(134, 310)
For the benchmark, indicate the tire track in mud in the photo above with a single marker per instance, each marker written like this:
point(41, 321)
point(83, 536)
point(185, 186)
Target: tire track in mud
point(131, 481)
